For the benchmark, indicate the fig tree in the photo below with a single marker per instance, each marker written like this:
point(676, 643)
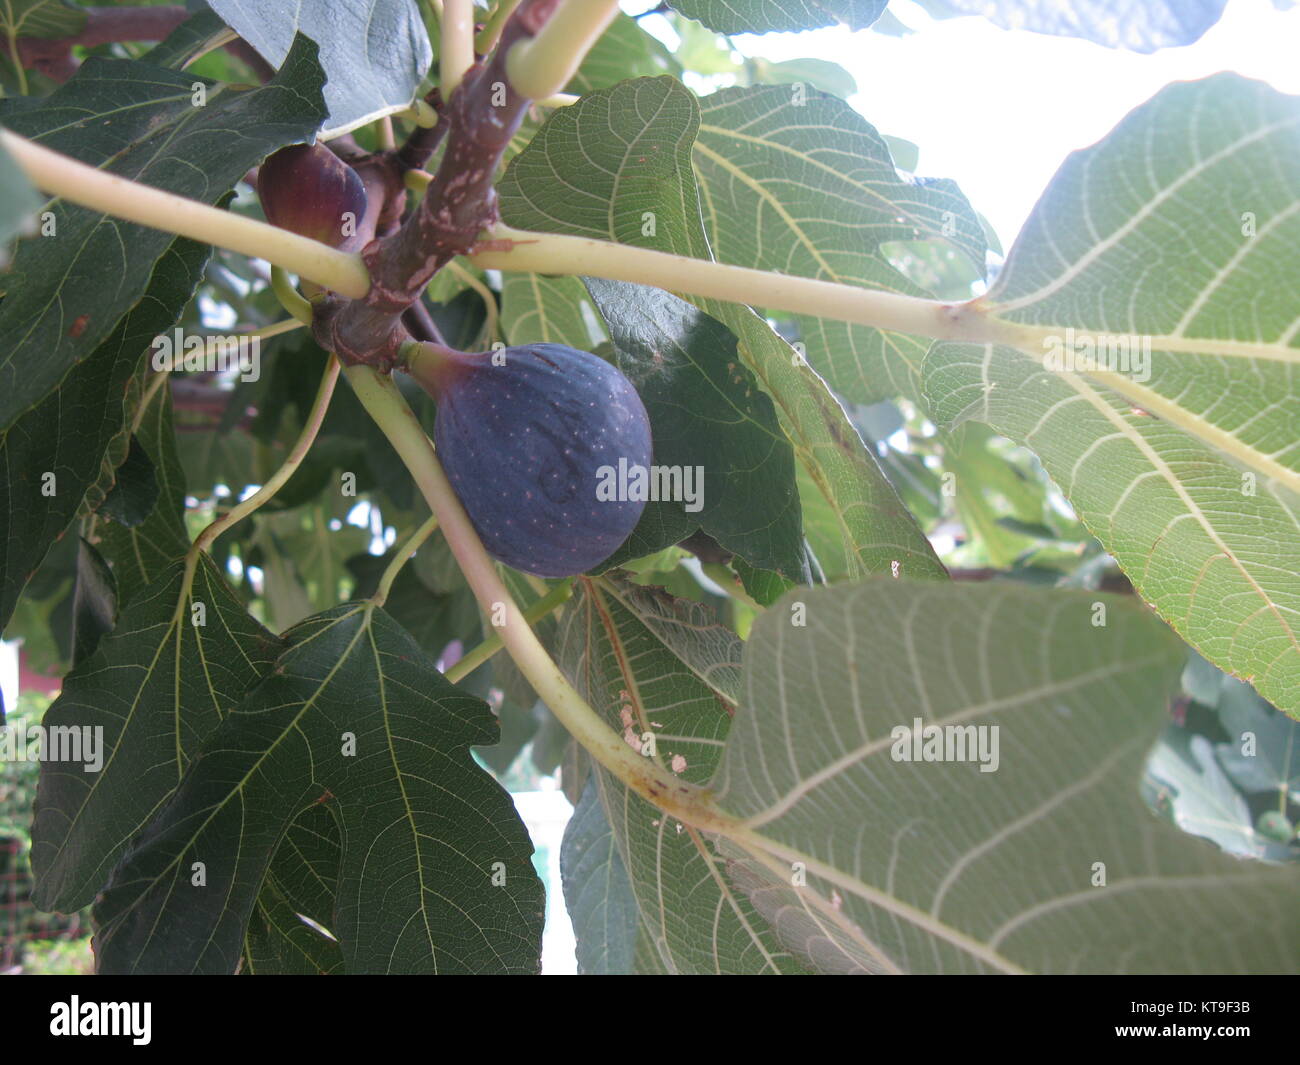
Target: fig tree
point(308, 189)
point(529, 437)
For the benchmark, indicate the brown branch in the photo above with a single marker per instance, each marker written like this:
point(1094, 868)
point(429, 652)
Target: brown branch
point(482, 115)
point(53, 56)
point(424, 141)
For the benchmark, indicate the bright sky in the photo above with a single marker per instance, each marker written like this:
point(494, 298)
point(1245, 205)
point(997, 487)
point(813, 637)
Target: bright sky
point(998, 111)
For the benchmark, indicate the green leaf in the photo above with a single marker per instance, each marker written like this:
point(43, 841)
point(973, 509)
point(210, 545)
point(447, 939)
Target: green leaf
point(707, 415)
point(287, 934)
point(156, 686)
point(77, 430)
point(279, 942)
point(819, 73)
point(1144, 27)
point(552, 310)
point(597, 891)
point(94, 602)
point(623, 51)
point(66, 293)
point(1176, 445)
point(432, 615)
point(1049, 863)
point(40, 18)
point(766, 16)
point(375, 52)
point(135, 489)
point(455, 891)
point(1183, 780)
point(140, 553)
point(1263, 754)
point(194, 37)
point(18, 203)
point(594, 170)
point(682, 692)
point(797, 182)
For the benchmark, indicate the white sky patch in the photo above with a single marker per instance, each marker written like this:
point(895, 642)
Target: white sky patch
point(998, 111)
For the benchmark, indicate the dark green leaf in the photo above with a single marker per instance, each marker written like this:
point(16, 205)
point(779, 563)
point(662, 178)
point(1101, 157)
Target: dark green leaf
point(156, 687)
point(94, 603)
point(454, 890)
point(75, 432)
point(135, 488)
point(140, 553)
point(67, 292)
point(710, 420)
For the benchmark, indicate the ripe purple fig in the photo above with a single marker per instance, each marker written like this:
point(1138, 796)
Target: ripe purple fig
point(308, 189)
point(534, 440)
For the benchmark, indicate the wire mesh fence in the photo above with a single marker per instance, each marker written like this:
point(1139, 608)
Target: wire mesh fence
point(21, 924)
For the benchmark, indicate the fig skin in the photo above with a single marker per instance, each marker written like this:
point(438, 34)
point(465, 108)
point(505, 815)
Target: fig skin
point(522, 444)
point(308, 189)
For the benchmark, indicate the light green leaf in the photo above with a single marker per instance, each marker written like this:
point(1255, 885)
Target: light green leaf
point(686, 667)
point(1049, 863)
point(552, 310)
point(797, 182)
point(40, 18)
point(1176, 444)
point(375, 52)
point(1183, 780)
point(765, 16)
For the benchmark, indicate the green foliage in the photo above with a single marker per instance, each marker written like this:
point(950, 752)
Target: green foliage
point(899, 531)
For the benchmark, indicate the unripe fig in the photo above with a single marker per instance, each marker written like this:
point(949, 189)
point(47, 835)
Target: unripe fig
point(308, 189)
point(529, 437)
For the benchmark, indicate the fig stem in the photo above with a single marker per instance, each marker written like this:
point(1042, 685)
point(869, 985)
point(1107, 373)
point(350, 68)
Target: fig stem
point(678, 798)
point(472, 659)
point(491, 31)
point(505, 248)
point(417, 180)
point(421, 114)
point(242, 509)
point(424, 360)
point(542, 65)
point(290, 298)
point(457, 49)
point(64, 177)
point(401, 558)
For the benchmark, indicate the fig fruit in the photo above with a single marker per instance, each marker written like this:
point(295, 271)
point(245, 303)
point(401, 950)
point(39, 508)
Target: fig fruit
point(532, 438)
point(308, 189)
